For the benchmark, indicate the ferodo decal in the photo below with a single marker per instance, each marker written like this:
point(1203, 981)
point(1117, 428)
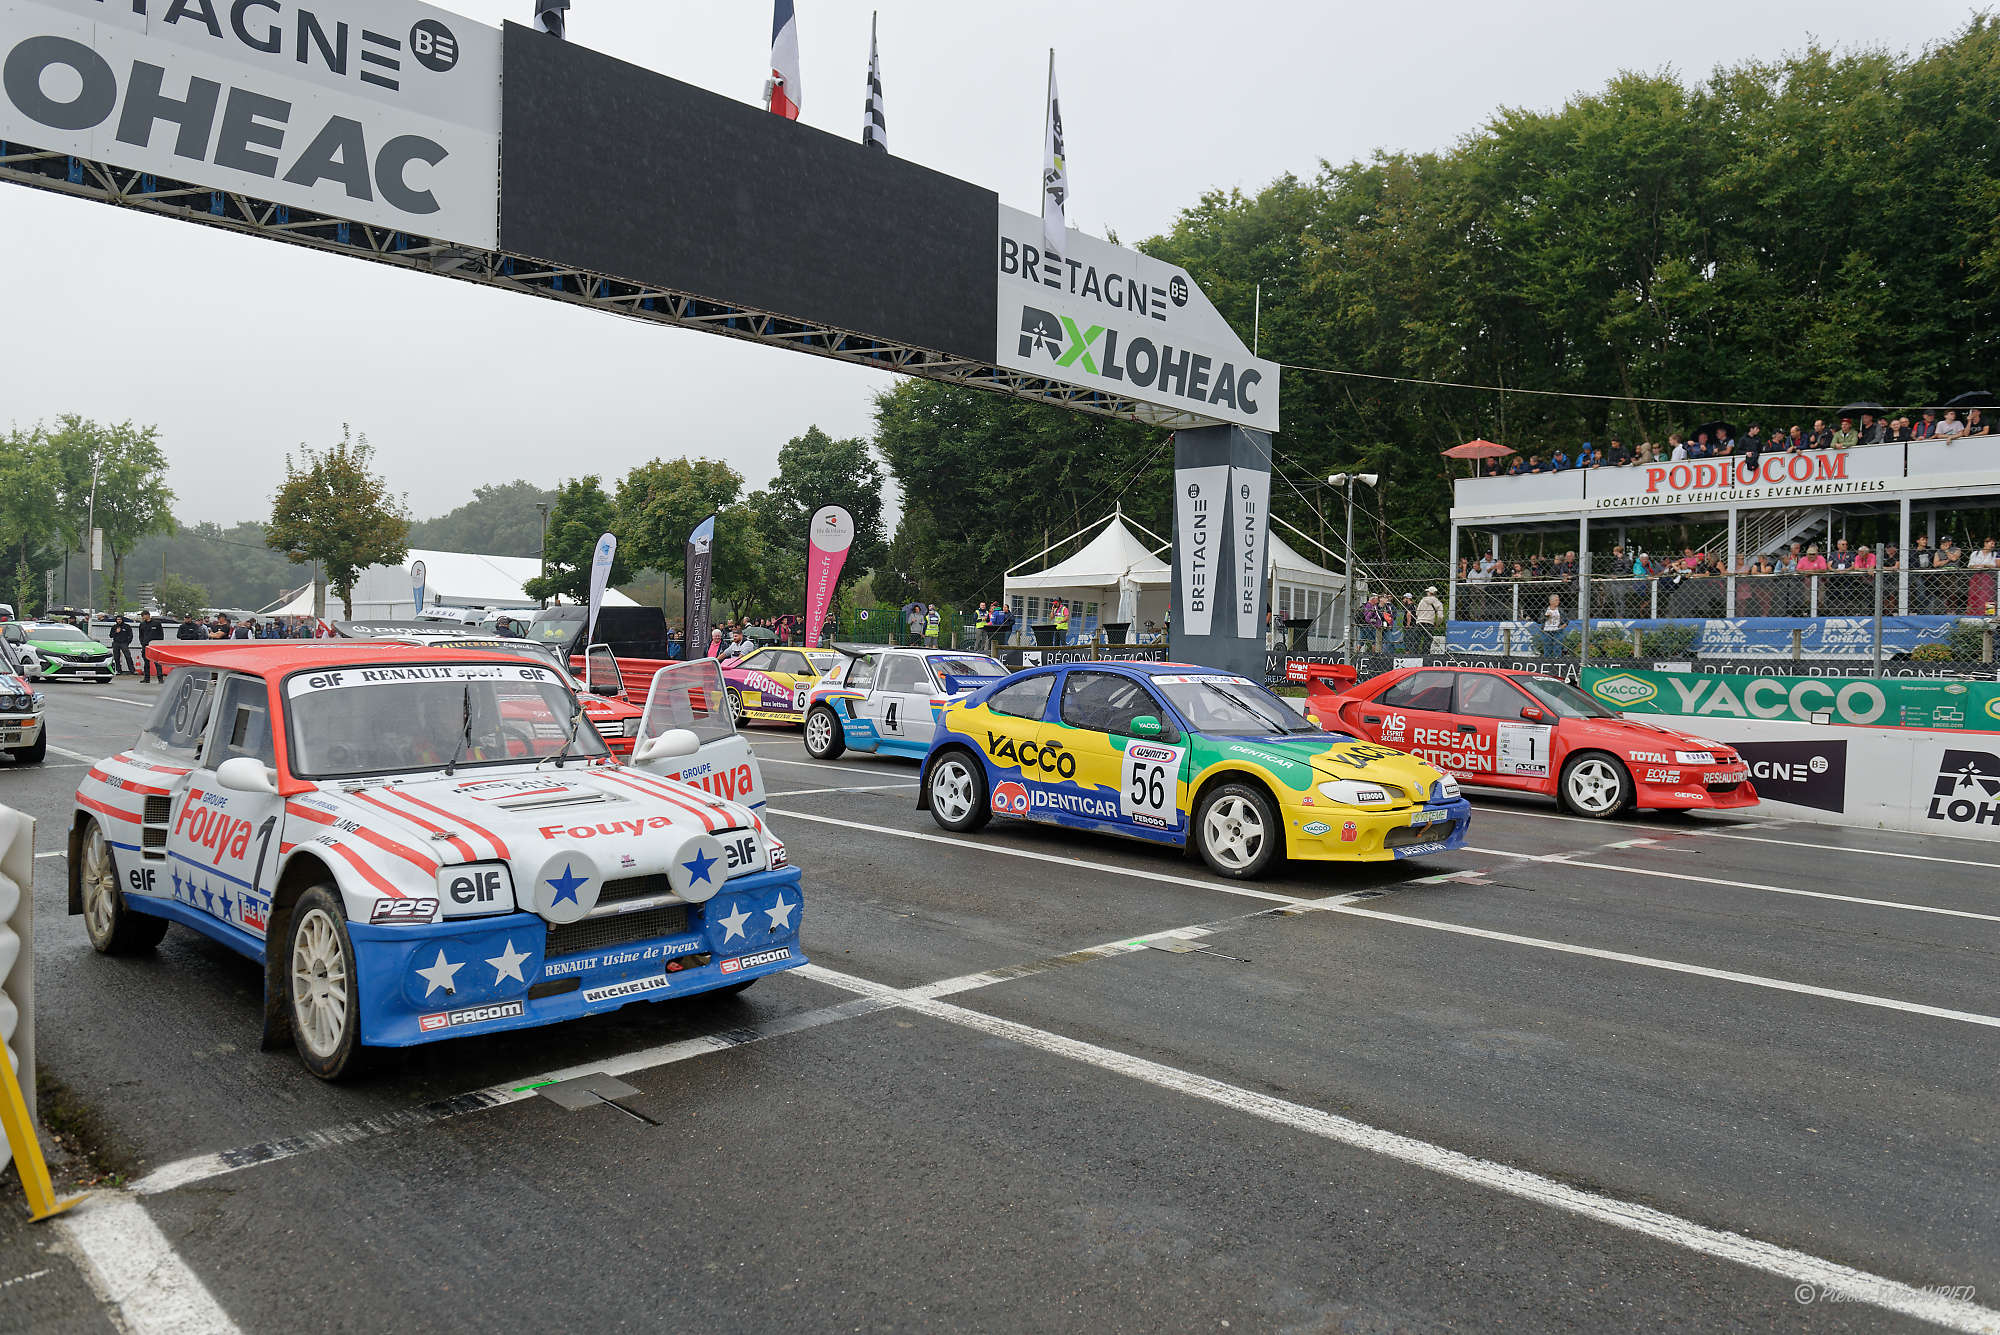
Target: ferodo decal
point(1048, 757)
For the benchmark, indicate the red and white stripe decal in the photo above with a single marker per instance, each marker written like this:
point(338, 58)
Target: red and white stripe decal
point(368, 873)
point(463, 849)
point(127, 785)
point(645, 783)
point(428, 866)
point(499, 848)
point(105, 809)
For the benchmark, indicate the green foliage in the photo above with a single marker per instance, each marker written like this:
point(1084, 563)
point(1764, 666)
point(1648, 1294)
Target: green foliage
point(31, 534)
point(815, 470)
point(499, 520)
point(581, 515)
point(1965, 642)
point(182, 598)
point(1671, 642)
point(27, 591)
point(660, 502)
point(1935, 653)
point(114, 477)
point(332, 509)
point(233, 563)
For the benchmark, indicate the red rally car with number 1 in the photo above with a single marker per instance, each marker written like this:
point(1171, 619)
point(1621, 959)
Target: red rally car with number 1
point(1499, 728)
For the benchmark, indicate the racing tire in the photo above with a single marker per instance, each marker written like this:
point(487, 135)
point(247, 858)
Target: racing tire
point(114, 927)
point(956, 786)
point(1236, 831)
point(735, 707)
point(34, 755)
point(1594, 785)
point(824, 738)
point(322, 986)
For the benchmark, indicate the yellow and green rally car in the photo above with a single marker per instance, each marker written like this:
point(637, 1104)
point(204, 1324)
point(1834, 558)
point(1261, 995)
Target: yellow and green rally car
point(1186, 756)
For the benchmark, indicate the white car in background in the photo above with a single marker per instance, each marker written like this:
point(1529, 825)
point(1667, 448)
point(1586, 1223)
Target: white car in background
point(24, 730)
point(887, 700)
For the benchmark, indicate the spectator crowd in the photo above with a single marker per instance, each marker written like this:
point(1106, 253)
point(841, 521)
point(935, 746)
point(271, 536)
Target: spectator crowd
point(1719, 440)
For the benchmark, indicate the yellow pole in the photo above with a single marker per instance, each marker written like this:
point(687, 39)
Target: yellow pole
point(21, 1139)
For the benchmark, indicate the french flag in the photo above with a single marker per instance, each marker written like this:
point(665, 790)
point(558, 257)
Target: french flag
point(781, 90)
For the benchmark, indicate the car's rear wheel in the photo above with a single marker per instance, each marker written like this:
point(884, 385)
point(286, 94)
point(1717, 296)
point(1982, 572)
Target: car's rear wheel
point(735, 707)
point(34, 755)
point(1236, 831)
point(322, 988)
point(824, 738)
point(957, 791)
point(1594, 785)
point(113, 926)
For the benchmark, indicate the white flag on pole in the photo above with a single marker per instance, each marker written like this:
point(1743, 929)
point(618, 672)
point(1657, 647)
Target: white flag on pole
point(1055, 175)
point(600, 573)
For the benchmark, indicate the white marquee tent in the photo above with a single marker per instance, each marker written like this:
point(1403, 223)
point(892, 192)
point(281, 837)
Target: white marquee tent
point(451, 579)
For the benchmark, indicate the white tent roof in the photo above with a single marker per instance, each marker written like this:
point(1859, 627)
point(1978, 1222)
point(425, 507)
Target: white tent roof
point(1286, 564)
point(1115, 554)
point(451, 579)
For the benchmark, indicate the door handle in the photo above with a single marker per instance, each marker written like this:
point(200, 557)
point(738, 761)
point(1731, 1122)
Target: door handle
point(1371, 718)
point(1468, 730)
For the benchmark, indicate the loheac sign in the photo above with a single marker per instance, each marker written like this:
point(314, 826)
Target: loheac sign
point(381, 111)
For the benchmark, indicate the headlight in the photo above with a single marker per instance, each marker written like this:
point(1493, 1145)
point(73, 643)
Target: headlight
point(631, 728)
point(1354, 793)
point(1445, 790)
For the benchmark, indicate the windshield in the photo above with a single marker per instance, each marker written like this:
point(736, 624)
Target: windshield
point(47, 633)
point(1230, 706)
point(548, 629)
point(352, 722)
point(1566, 700)
point(967, 665)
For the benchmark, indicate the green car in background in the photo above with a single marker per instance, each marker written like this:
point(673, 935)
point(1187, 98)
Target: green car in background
point(59, 652)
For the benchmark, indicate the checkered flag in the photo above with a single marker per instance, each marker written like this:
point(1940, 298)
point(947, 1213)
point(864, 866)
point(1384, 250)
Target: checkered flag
point(550, 16)
point(874, 125)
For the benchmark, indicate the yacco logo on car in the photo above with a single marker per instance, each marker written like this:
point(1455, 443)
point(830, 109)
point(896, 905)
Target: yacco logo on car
point(1010, 799)
point(1048, 757)
point(505, 1010)
point(1967, 791)
point(752, 961)
point(1624, 689)
point(636, 987)
point(1317, 827)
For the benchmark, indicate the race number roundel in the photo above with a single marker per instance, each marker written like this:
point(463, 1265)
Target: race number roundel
point(697, 871)
point(567, 887)
point(1149, 784)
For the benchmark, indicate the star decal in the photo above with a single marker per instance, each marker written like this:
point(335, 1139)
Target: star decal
point(208, 897)
point(225, 906)
point(732, 926)
point(507, 964)
point(698, 870)
point(780, 914)
point(440, 975)
point(566, 886)
point(177, 883)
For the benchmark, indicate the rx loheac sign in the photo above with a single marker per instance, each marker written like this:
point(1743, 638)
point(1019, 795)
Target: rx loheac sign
point(381, 111)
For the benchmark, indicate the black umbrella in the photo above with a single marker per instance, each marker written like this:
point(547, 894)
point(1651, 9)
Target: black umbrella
point(1856, 409)
point(1717, 430)
point(1974, 398)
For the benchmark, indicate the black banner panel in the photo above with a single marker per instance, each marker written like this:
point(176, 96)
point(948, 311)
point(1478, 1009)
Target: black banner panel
point(608, 167)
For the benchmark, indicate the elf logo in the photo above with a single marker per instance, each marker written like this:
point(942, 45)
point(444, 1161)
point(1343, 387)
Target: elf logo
point(1103, 351)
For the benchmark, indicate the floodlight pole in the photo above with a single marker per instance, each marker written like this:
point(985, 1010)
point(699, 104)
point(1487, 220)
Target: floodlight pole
point(90, 550)
point(1347, 481)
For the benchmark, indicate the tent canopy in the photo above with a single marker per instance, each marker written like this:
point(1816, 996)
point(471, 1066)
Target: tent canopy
point(451, 579)
point(1115, 554)
point(1287, 566)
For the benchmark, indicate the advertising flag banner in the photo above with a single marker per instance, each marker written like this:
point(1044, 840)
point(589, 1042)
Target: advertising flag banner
point(417, 576)
point(832, 534)
point(1055, 175)
point(1200, 500)
point(600, 571)
point(382, 111)
point(700, 583)
point(1250, 528)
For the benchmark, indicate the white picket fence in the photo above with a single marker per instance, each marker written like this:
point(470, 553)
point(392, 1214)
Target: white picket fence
point(17, 953)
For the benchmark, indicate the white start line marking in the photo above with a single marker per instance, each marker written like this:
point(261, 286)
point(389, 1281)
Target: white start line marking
point(132, 1267)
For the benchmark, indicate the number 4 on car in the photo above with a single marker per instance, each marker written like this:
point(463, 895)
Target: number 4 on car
point(1184, 756)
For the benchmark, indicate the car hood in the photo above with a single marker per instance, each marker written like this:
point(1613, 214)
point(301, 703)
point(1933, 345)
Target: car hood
point(1633, 734)
point(1302, 760)
point(70, 648)
point(598, 821)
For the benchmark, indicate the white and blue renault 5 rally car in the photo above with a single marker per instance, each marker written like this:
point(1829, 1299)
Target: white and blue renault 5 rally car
point(419, 842)
point(887, 700)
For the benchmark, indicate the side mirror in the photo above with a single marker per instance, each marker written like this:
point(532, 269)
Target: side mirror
point(1533, 713)
point(1146, 726)
point(241, 774)
point(669, 745)
point(604, 688)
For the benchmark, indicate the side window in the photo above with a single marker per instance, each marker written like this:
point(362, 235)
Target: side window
point(1487, 696)
point(1420, 690)
point(901, 672)
point(1024, 699)
point(181, 717)
point(243, 723)
point(861, 676)
point(1107, 702)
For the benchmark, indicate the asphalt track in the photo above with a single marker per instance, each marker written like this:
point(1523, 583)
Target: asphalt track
point(1658, 1074)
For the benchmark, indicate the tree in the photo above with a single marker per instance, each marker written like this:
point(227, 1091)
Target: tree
point(31, 534)
point(815, 470)
point(499, 520)
point(333, 510)
point(123, 468)
point(582, 514)
point(180, 598)
point(659, 503)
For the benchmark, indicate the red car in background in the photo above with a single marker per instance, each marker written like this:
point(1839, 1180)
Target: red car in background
point(1499, 728)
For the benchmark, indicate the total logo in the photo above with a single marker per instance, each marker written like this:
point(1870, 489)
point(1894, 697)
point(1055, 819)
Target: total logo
point(752, 961)
point(1010, 799)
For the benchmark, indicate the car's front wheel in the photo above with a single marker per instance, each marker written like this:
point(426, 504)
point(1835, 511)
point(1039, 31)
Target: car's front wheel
point(1594, 785)
point(34, 755)
point(824, 738)
point(957, 792)
point(322, 985)
point(1236, 831)
point(113, 926)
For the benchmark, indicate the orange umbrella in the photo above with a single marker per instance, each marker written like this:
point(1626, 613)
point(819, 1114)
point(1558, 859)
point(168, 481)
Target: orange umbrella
point(1477, 449)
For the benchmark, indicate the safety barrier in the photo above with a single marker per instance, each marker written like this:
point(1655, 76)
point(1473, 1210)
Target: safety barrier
point(17, 1014)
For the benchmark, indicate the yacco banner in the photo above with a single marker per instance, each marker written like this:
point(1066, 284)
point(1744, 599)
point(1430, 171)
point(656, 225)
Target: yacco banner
point(382, 111)
point(700, 584)
point(1112, 319)
point(417, 573)
point(1200, 545)
point(1250, 528)
point(1955, 706)
point(1740, 637)
point(1807, 476)
point(600, 573)
point(832, 534)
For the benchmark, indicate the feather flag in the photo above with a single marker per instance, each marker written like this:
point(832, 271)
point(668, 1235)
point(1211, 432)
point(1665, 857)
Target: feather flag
point(1055, 176)
point(874, 125)
point(782, 89)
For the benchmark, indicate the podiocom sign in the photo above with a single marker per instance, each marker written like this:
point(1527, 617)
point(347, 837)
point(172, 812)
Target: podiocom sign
point(1810, 475)
point(1112, 319)
point(381, 111)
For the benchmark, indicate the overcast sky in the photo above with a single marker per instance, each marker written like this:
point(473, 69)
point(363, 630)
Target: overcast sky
point(239, 349)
